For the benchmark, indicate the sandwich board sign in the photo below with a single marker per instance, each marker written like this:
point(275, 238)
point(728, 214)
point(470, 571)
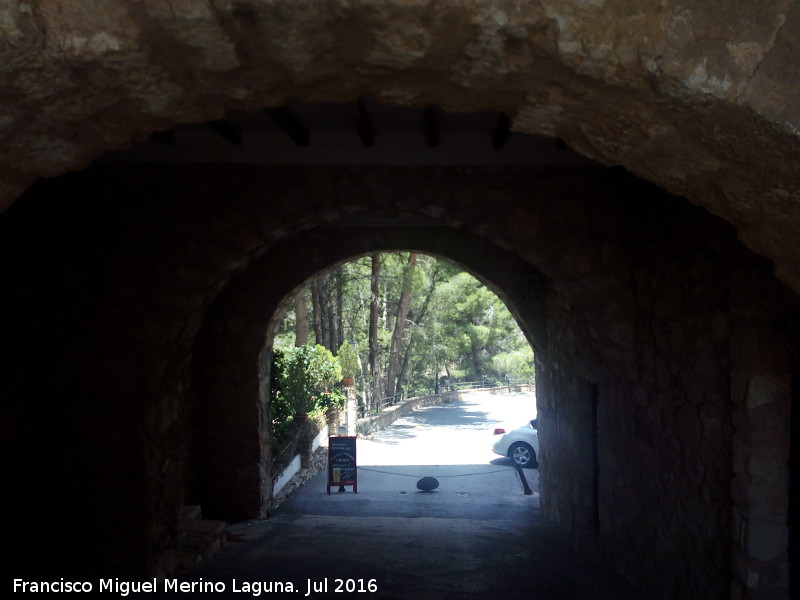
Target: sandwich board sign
point(342, 468)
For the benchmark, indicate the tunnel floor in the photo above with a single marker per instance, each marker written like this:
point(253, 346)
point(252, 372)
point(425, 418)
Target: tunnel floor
point(407, 544)
point(477, 535)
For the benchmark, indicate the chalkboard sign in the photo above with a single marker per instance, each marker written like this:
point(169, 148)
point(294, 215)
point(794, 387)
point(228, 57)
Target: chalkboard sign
point(342, 469)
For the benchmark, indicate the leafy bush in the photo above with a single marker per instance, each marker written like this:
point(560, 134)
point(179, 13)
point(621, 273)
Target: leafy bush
point(328, 368)
point(348, 359)
point(334, 399)
point(310, 371)
point(517, 364)
point(280, 409)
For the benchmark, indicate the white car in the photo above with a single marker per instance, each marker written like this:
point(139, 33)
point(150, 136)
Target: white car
point(521, 445)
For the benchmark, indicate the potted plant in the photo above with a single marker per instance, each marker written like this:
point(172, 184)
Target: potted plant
point(348, 359)
point(333, 402)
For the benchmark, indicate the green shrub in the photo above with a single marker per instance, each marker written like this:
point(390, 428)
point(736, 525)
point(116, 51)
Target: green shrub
point(327, 367)
point(334, 399)
point(310, 371)
point(280, 409)
point(348, 359)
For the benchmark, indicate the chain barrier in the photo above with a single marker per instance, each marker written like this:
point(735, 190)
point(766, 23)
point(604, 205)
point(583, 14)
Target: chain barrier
point(438, 476)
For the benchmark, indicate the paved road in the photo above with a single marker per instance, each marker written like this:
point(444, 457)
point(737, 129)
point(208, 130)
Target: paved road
point(476, 537)
point(450, 434)
point(451, 443)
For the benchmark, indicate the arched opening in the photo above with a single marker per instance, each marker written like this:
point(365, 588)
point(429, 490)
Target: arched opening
point(648, 318)
point(681, 335)
point(269, 287)
point(425, 321)
point(405, 328)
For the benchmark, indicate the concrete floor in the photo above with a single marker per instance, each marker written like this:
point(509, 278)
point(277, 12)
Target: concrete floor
point(476, 536)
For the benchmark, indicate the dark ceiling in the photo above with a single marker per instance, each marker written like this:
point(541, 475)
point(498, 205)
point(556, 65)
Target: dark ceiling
point(362, 132)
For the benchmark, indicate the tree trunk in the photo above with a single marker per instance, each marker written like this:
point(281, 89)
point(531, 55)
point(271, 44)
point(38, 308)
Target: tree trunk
point(400, 323)
point(374, 367)
point(301, 316)
point(339, 279)
point(327, 323)
point(401, 378)
point(330, 314)
point(476, 361)
point(316, 312)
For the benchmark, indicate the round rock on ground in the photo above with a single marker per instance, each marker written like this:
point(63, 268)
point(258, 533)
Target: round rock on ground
point(428, 484)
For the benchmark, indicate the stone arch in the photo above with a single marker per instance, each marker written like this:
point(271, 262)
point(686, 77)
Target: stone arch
point(701, 103)
point(710, 116)
point(233, 363)
point(644, 295)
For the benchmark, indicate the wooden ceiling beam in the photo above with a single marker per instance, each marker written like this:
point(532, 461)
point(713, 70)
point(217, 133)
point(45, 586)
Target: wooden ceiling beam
point(290, 124)
point(364, 125)
point(166, 138)
point(432, 126)
point(501, 131)
point(227, 131)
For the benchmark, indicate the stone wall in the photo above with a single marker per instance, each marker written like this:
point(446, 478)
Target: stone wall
point(391, 413)
point(661, 390)
point(764, 379)
point(136, 365)
point(700, 98)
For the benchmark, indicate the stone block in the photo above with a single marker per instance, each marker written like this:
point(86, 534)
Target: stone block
point(768, 388)
point(768, 424)
point(766, 541)
point(769, 466)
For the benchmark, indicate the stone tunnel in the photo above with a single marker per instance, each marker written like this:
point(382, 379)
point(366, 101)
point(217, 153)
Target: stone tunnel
point(624, 177)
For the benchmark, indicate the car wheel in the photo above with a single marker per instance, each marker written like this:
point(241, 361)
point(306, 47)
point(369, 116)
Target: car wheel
point(522, 454)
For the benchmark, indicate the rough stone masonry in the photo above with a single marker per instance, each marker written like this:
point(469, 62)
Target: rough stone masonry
point(139, 300)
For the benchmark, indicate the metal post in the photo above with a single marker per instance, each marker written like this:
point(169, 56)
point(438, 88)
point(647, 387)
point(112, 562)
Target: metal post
point(526, 488)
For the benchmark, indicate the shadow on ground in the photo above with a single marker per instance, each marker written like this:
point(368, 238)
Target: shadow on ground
point(449, 544)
